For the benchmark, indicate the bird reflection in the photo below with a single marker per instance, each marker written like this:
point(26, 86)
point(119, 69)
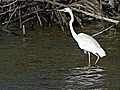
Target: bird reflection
point(83, 78)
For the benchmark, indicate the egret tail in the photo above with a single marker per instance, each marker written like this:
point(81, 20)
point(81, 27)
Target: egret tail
point(101, 52)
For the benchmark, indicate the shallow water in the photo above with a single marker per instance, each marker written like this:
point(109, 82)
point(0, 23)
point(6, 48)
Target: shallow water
point(51, 59)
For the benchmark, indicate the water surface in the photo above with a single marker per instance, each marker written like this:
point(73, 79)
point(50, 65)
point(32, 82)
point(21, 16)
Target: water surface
point(51, 59)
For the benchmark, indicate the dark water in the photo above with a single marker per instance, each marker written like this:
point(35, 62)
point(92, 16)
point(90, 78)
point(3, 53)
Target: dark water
point(51, 60)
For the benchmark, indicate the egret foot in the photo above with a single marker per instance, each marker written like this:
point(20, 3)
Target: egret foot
point(88, 68)
point(97, 66)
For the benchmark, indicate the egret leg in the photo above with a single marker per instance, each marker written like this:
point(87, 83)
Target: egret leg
point(89, 58)
point(97, 59)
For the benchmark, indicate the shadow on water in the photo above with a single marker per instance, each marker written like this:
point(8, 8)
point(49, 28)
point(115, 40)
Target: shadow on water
point(84, 78)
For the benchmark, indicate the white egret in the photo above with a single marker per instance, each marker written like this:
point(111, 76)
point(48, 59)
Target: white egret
point(85, 42)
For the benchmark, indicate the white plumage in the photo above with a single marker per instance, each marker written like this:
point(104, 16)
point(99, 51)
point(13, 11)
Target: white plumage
point(85, 42)
point(89, 44)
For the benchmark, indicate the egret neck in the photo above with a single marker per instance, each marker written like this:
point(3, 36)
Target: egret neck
point(71, 28)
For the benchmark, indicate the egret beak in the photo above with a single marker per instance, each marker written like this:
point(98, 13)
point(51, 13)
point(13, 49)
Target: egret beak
point(61, 10)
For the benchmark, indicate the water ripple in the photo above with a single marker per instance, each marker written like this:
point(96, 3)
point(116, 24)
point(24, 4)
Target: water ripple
point(83, 78)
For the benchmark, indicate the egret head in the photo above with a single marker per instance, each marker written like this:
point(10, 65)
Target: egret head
point(66, 10)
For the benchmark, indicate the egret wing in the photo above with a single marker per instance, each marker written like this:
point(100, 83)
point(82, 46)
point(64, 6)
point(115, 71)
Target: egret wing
point(87, 43)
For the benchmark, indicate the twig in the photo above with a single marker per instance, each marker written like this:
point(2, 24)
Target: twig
point(58, 16)
point(20, 18)
point(11, 17)
point(79, 21)
point(36, 11)
point(28, 20)
point(10, 32)
point(11, 10)
point(64, 19)
point(87, 13)
point(8, 4)
point(103, 30)
point(96, 16)
point(23, 29)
